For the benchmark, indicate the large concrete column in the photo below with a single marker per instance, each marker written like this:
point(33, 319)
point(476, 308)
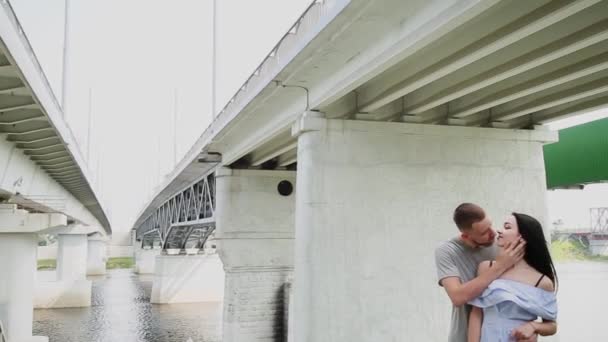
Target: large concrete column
point(145, 260)
point(97, 256)
point(374, 199)
point(71, 289)
point(18, 249)
point(18, 260)
point(187, 279)
point(72, 256)
point(255, 242)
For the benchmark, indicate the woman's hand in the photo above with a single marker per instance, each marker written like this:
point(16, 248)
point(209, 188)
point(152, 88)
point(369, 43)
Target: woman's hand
point(525, 332)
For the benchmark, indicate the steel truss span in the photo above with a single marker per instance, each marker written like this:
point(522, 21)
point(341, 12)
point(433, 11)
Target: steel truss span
point(186, 220)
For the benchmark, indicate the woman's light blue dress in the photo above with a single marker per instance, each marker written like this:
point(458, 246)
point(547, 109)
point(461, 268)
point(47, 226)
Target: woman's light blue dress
point(507, 304)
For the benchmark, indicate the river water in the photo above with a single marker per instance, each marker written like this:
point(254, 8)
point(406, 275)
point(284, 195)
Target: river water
point(121, 311)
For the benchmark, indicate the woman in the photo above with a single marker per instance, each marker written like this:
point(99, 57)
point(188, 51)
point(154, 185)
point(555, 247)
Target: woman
point(510, 306)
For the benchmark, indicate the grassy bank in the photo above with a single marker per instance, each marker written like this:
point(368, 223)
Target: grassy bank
point(47, 264)
point(113, 263)
point(571, 250)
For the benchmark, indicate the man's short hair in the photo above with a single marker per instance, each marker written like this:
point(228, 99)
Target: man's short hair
point(466, 214)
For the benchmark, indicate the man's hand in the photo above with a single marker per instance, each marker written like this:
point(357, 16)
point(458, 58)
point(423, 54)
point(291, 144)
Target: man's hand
point(525, 333)
point(511, 254)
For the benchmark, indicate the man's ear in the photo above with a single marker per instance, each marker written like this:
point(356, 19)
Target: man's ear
point(464, 235)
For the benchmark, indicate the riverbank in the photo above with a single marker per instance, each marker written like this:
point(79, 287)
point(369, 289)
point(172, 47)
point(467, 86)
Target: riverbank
point(572, 250)
point(112, 263)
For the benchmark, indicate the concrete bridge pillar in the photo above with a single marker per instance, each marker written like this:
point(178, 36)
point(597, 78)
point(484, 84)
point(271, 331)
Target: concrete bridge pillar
point(187, 279)
point(18, 249)
point(373, 201)
point(72, 256)
point(97, 256)
point(71, 288)
point(254, 228)
point(145, 259)
point(18, 260)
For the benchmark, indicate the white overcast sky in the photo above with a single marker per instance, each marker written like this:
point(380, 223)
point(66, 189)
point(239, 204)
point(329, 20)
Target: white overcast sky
point(131, 63)
point(131, 58)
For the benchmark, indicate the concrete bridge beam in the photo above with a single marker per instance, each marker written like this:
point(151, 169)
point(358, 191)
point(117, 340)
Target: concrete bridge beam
point(254, 229)
point(373, 201)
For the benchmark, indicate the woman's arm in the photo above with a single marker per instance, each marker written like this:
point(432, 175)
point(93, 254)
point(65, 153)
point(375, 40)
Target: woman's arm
point(475, 320)
point(528, 330)
point(545, 328)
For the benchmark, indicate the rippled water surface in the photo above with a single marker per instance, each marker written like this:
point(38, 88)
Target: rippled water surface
point(121, 312)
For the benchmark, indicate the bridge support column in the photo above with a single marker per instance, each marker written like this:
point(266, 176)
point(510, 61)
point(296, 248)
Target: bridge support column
point(145, 260)
point(18, 249)
point(71, 289)
point(188, 279)
point(97, 256)
point(373, 201)
point(18, 260)
point(255, 242)
point(72, 256)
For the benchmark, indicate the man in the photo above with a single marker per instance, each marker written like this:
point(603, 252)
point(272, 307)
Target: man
point(457, 261)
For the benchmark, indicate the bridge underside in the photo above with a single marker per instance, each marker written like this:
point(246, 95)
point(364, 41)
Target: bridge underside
point(44, 169)
point(516, 65)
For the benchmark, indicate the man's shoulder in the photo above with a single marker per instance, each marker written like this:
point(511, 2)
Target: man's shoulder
point(448, 247)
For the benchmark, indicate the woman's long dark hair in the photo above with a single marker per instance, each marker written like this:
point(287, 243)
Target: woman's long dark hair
point(537, 252)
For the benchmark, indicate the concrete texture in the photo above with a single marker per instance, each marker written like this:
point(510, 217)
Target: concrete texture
point(145, 260)
point(188, 279)
point(255, 241)
point(62, 294)
point(96, 257)
point(70, 289)
point(72, 257)
point(373, 202)
point(18, 260)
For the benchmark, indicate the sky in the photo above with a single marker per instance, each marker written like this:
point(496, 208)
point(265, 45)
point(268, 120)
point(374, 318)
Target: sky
point(138, 85)
point(139, 71)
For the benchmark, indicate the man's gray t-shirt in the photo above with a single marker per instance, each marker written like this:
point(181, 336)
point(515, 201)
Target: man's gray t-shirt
point(456, 259)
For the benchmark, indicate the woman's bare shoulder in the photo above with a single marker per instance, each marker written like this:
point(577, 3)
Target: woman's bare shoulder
point(547, 284)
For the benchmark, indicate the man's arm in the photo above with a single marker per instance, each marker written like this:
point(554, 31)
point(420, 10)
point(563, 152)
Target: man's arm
point(461, 293)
